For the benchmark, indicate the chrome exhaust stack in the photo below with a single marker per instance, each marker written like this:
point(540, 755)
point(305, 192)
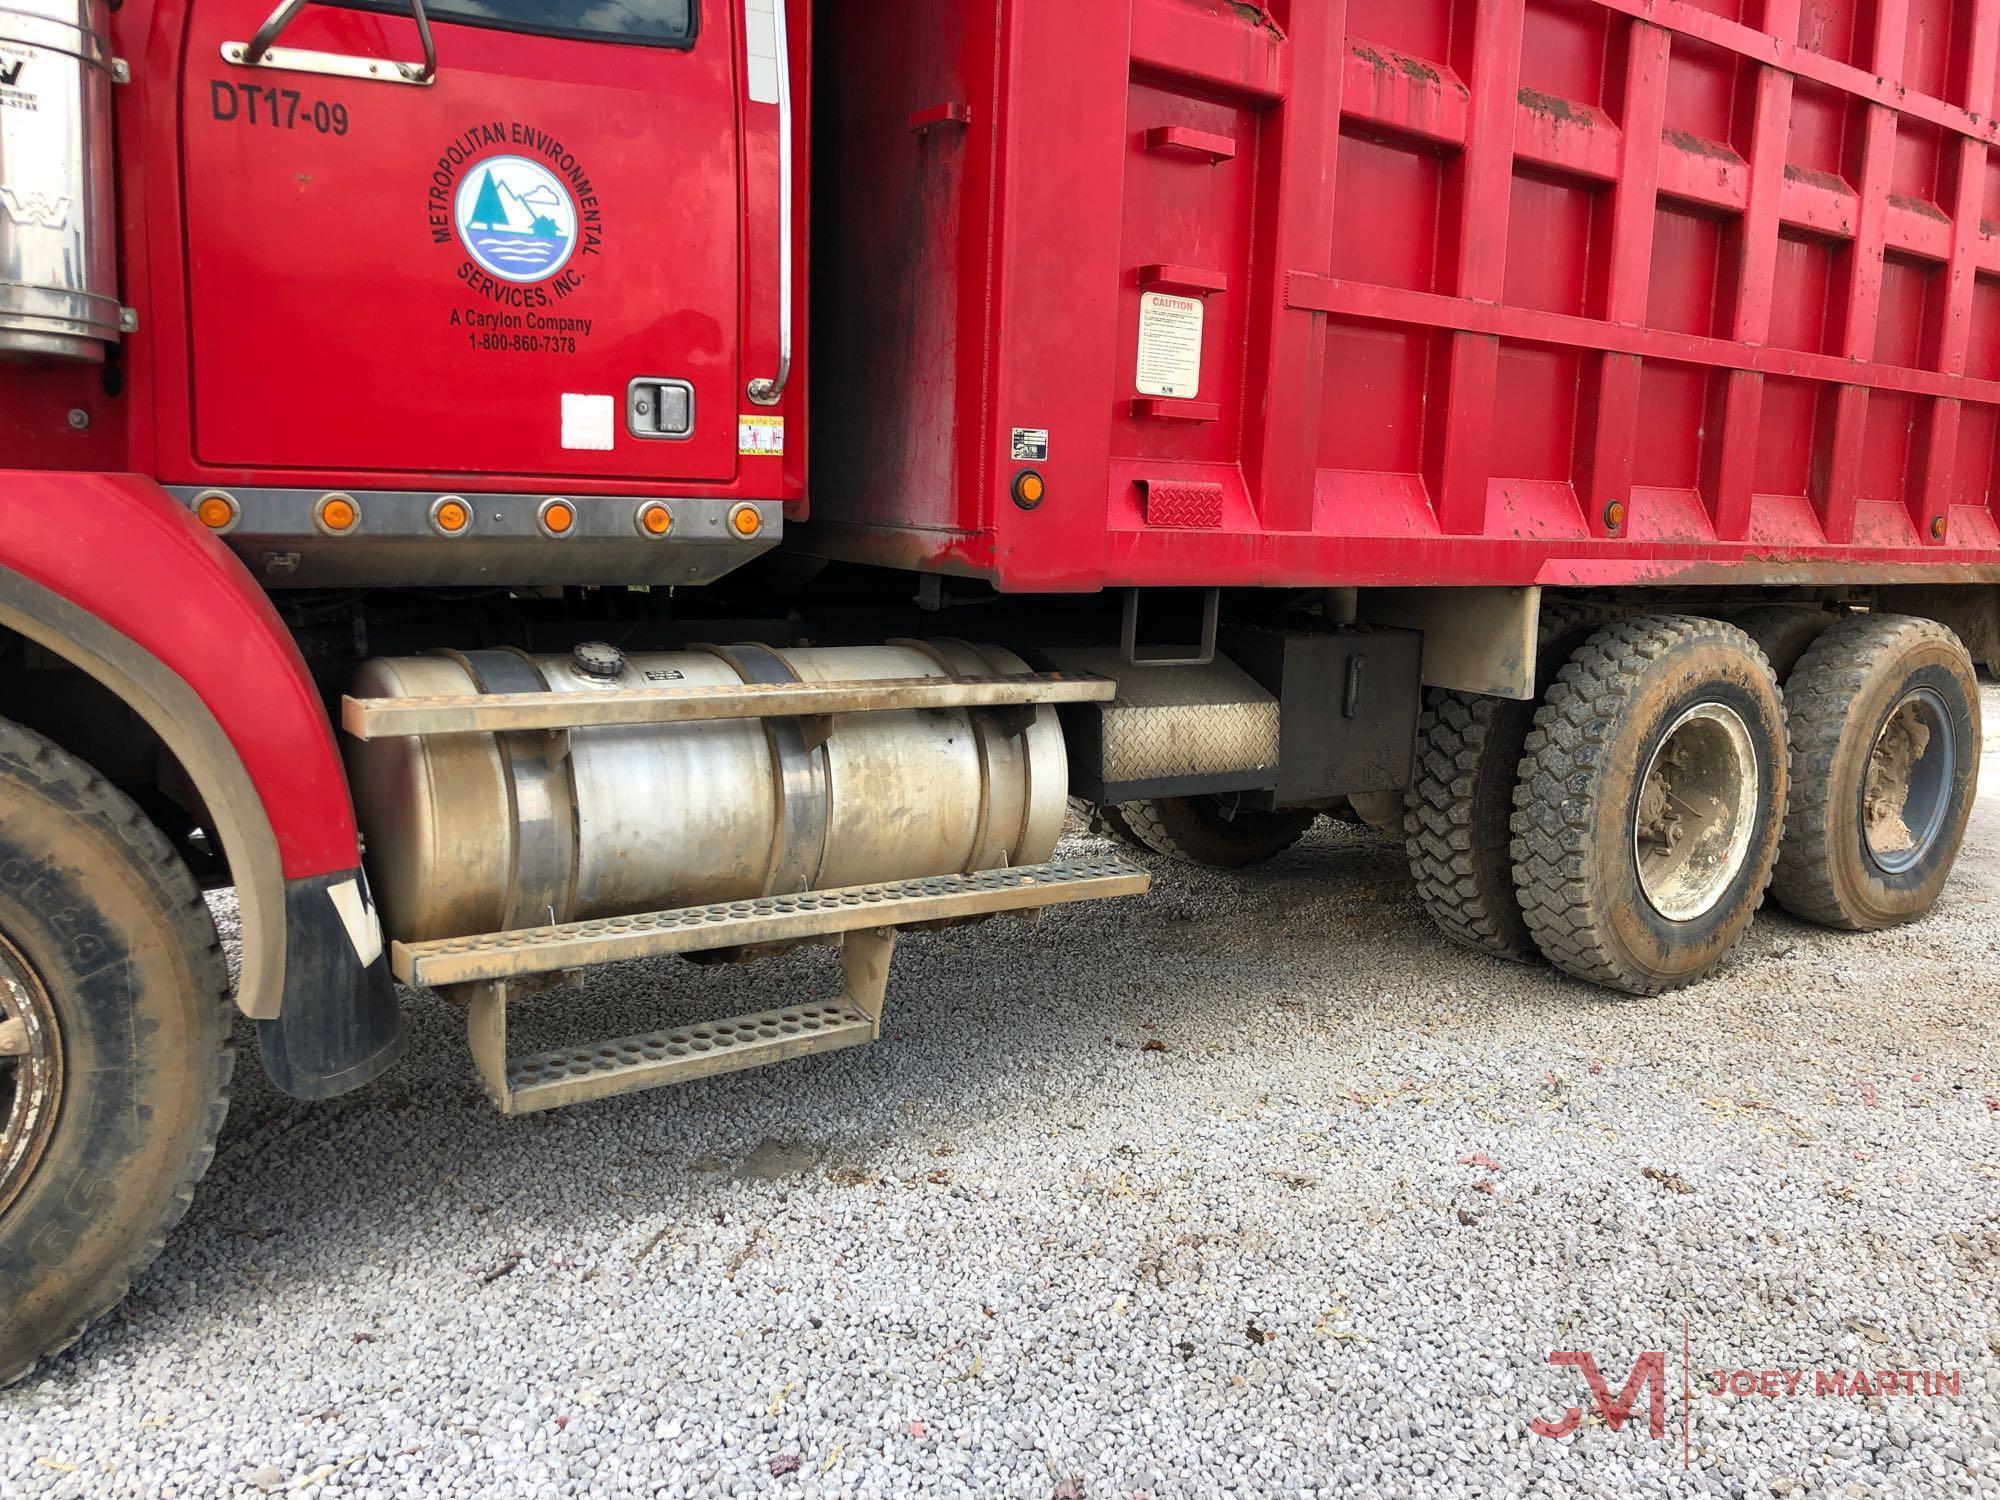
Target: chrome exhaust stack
point(58, 272)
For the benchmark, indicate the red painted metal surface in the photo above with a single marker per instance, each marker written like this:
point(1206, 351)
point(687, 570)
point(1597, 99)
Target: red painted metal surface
point(1472, 270)
point(307, 317)
point(120, 548)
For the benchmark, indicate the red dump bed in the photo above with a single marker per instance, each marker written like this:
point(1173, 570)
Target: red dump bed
point(1409, 291)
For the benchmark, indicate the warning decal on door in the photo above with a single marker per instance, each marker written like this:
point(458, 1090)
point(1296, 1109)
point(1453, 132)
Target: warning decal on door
point(761, 437)
point(1170, 345)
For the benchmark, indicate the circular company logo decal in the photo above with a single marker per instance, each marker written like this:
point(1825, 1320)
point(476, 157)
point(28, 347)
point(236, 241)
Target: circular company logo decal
point(515, 218)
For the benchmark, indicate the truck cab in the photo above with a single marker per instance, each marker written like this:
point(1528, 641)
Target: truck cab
point(453, 263)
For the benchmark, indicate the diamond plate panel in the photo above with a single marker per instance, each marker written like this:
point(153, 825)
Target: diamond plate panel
point(1185, 505)
point(1179, 721)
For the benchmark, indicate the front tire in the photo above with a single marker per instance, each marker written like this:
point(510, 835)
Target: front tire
point(1651, 799)
point(115, 1049)
point(1885, 734)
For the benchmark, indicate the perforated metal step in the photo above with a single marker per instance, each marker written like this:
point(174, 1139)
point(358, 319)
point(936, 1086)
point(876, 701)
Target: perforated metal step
point(770, 919)
point(489, 970)
point(548, 1080)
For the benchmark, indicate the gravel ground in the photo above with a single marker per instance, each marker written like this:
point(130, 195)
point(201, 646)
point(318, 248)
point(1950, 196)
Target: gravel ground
point(1254, 1187)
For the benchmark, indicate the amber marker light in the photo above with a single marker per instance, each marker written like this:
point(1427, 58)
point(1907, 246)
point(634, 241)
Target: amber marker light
point(655, 519)
point(1030, 489)
point(745, 521)
point(451, 516)
point(216, 511)
point(338, 514)
point(558, 517)
point(1614, 515)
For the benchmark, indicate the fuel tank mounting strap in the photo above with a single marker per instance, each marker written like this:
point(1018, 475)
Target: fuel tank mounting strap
point(943, 653)
point(399, 718)
point(545, 833)
point(802, 796)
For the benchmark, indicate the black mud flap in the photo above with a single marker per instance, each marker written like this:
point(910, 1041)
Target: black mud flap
point(340, 1027)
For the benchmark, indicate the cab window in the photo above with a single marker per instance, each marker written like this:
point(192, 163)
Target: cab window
point(650, 23)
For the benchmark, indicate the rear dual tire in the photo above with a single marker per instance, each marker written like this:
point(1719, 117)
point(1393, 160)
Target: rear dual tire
point(1459, 823)
point(1650, 803)
point(1850, 794)
point(1885, 746)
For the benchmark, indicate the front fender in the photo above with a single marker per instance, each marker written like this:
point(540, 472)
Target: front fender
point(110, 573)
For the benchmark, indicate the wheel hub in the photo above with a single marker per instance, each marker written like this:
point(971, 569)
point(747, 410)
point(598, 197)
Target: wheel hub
point(31, 1074)
point(1696, 812)
point(1907, 795)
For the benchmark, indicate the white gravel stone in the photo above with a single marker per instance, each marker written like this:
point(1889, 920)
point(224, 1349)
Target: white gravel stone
point(1321, 1239)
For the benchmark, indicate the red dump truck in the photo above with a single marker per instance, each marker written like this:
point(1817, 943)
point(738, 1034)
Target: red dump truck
point(512, 487)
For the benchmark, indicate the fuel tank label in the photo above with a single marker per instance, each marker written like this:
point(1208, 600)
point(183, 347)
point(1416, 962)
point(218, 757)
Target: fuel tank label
point(1170, 333)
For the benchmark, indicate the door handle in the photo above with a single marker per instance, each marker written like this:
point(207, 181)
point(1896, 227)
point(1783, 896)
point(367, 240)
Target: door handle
point(770, 392)
point(261, 52)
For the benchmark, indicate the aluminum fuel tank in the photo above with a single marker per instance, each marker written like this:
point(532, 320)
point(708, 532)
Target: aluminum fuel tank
point(477, 833)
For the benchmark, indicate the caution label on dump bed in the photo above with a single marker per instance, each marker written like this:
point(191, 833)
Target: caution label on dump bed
point(1170, 345)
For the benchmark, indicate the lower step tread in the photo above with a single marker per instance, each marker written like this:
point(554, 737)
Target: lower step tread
point(681, 1054)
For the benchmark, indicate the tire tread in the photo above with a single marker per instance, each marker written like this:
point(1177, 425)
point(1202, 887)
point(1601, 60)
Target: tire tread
point(1553, 822)
point(97, 802)
point(1448, 835)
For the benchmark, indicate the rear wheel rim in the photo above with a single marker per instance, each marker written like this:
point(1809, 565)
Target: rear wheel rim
point(1696, 812)
point(1906, 794)
point(31, 1071)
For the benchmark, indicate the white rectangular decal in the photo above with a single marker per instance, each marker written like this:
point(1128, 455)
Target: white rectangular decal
point(589, 423)
point(1170, 345)
point(357, 915)
point(760, 36)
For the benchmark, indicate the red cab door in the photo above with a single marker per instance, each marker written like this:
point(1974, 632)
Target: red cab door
point(467, 276)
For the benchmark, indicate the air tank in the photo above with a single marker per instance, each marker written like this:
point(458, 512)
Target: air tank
point(474, 833)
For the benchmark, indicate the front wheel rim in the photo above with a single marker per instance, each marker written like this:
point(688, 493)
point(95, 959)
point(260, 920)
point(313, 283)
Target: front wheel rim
point(31, 1072)
point(1696, 812)
point(1906, 794)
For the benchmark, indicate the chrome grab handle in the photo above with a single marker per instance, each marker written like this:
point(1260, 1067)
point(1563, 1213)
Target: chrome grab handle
point(262, 50)
point(771, 392)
